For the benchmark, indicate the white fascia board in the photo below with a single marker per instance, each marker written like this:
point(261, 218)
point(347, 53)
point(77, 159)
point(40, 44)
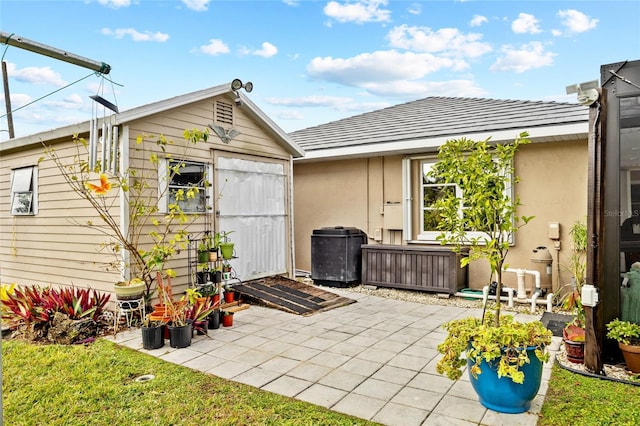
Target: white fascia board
point(574, 131)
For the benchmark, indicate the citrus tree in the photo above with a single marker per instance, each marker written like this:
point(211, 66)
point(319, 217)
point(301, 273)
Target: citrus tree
point(484, 219)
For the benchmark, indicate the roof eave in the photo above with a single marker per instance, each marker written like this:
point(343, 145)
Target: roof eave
point(153, 108)
point(565, 132)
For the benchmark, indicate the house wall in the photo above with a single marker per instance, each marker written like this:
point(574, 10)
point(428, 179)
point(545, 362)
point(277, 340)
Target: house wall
point(356, 192)
point(51, 248)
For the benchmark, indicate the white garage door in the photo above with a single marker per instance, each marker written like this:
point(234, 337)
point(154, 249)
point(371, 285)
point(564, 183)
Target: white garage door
point(253, 206)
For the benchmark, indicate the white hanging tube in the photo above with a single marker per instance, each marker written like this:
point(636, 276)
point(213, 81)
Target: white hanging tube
point(107, 150)
point(114, 145)
point(103, 153)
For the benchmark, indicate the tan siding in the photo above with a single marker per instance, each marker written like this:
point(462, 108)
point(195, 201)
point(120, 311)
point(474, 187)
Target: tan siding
point(50, 247)
point(57, 249)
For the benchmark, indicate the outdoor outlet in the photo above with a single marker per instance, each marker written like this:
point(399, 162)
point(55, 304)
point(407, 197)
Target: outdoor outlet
point(553, 230)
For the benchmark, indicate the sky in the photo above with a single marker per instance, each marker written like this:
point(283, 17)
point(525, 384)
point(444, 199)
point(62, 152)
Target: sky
point(310, 62)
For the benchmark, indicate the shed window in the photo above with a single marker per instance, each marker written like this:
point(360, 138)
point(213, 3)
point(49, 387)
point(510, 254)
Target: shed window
point(24, 198)
point(185, 184)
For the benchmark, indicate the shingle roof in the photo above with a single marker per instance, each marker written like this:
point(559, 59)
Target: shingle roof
point(433, 119)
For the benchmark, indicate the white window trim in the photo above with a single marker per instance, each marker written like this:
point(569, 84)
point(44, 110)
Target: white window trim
point(163, 185)
point(34, 191)
point(408, 186)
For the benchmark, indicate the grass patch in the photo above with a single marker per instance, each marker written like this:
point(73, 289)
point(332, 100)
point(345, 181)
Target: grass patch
point(576, 399)
point(95, 385)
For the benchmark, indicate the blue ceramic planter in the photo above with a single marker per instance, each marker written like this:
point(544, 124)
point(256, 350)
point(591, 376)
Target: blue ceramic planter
point(502, 394)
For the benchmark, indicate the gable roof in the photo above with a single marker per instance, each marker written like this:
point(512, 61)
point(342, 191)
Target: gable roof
point(153, 108)
point(425, 124)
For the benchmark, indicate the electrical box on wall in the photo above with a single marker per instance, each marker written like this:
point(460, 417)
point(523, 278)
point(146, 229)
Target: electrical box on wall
point(553, 231)
point(392, 216)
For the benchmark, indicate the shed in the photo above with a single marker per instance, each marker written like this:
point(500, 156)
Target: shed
point(251, 194)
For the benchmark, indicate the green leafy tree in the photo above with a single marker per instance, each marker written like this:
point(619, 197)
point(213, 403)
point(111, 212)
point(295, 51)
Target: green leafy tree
point(152, 238)
point(485, 218)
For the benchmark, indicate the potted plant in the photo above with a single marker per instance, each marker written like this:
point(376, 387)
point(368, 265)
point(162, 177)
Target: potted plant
point(229, 293)
point(180, 329)
point(152, 333)
point(129, 290)
point(199, 313)
point(227, 319)
point(574, 333)
point(504, 357)
point(627, 334)
point(226, 272)
point(225, 245)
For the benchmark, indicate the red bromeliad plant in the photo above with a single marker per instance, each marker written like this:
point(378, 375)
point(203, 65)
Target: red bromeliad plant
point(34, 306)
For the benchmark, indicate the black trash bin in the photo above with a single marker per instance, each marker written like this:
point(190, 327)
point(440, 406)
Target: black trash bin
point(336, 256)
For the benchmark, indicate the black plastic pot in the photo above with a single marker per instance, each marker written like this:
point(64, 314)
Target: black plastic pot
point(201, 327)
point(152, 337)
point(180, 336)
point(214, 320)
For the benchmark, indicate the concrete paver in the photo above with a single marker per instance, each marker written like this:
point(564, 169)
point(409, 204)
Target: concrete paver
point(373, 359)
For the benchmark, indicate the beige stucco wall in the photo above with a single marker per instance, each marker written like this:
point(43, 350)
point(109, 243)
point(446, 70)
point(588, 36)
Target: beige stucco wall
point(51, 248)
point(354, 192)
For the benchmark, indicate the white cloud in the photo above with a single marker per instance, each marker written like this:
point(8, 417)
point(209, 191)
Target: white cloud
point(197, 5)
point(215, 47)
point(35, 75)
point(478, 20)
point(526, 24)
point(18, 100)
point(268, 50)
point(421, 89)
point(415, 9)
point(115, 4)
point(526, 57)
point(135, 35)
point(577, 22)
point(291, 2)
point(359, 12)
point(378, 67)
point(310, 101)
point(449, 41)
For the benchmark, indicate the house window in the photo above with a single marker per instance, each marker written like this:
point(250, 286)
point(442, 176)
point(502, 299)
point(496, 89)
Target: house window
point(24, 197)
point(185, 184)
point(431, 192)
point(422, 192)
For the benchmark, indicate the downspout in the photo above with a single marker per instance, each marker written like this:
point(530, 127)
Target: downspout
point(292, 245)
point(123, 142)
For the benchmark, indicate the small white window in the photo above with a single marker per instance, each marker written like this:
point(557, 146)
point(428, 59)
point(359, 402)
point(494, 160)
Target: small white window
point(24, 197)
point(183, 183)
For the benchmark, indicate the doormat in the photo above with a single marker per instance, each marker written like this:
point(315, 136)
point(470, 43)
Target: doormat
point(289, 295)
point(555, 322)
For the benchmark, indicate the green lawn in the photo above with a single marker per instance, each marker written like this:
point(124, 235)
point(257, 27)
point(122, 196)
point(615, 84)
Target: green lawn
point(95, 385)
point(574, 399)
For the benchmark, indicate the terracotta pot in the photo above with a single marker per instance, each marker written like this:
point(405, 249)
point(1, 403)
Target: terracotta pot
point(229, 296)
point(227, 320)
point(631, 356)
